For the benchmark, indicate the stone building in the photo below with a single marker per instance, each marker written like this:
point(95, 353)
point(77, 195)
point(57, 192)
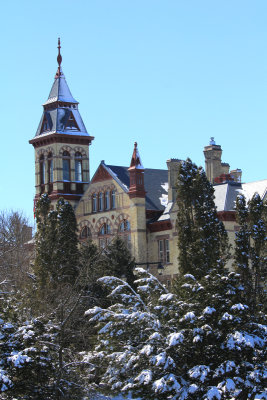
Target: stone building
point(134, 202)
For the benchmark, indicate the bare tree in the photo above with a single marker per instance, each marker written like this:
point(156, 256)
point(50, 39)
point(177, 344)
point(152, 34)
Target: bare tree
point(15, 255)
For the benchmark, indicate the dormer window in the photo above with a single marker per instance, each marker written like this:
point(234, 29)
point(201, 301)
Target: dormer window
point(71, 123)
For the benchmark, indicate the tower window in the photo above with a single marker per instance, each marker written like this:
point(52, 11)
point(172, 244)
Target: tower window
point(50, 168)
point(66, 166)
point(78, 167)
point(42, 169)
point(72, 124)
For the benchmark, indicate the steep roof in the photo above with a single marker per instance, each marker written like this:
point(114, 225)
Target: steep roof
point(155, 184)
point(60, 90)
point(226, 193)
point(61, 114)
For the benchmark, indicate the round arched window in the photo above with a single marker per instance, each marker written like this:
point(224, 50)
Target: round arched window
point(124, 232)
point(104, 235)
point(85, 233)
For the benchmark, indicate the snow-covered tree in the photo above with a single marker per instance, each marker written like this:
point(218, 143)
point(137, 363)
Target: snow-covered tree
point(251, 248)
point(157, 346)
point(202, 238)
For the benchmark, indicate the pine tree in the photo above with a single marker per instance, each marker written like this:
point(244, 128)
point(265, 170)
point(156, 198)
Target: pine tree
point(202, 238)
point(157, 346)
point(251, 248)
point(118, 260)
point(57, 255)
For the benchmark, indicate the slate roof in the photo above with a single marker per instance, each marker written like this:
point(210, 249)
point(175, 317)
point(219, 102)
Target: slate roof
point(58, 116)
point(154, 182)
point(60, 91)
point(226, 193)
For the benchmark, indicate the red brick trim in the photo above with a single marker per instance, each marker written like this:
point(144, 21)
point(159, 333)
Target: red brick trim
point(227, 215)
point(159, 226)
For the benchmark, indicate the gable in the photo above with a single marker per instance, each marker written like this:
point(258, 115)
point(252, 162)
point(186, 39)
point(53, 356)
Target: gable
point(101, 175)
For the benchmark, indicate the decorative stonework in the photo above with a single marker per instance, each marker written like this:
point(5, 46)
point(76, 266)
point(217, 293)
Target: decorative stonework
point(101, 221)
point(101, 175)
point(119, 219)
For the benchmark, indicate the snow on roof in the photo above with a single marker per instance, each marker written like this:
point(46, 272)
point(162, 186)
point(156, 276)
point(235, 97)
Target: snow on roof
point(260, 187)
point(220, 193)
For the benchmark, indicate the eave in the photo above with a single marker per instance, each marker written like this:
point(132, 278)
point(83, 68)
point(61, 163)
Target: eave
point(43, 140)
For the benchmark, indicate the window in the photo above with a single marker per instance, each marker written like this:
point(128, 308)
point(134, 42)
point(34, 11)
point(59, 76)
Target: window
point(113, 199)
point(42, 169)
point(107, 200)
point(100, 201)
point(78, 167)
point(124, 232)
point(164, 251)
point(66, 166)
point(104, 235)
point(94, 203)
point(50, 168)
point(85, 233)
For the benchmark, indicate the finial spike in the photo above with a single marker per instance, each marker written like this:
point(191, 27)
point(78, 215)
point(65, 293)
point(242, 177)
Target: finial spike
point(59, 57)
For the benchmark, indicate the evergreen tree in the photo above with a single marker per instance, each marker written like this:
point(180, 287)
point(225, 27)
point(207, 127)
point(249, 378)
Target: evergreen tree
point(118, 260)
point(251, 248)
point(57, 255)
point(202, 239)
point(157, 346)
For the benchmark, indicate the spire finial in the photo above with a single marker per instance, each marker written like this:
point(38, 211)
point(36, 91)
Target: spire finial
point(59, 57)
point(135, 145)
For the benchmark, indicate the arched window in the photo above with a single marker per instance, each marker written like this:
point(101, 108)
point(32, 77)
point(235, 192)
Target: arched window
point(94, 202)
point(100, 201)
point(42, 169)
point(78, 167)
point(113, 199)
point(85, 233)
point(104, 235)
point(107, 200)
point(50, 168)
point(124, 226)
point(66, 166)
point(125, 232)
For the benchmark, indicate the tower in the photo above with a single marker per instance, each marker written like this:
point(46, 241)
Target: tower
point(61, 145)
point(213, 161)
point(137, 211)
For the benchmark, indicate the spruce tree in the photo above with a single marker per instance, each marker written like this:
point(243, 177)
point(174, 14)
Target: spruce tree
point(202, 238)
point(251, 248)
point(57, 255)
point(118, 260)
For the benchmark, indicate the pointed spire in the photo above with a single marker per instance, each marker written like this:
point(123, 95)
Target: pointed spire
point(59, 61)
point(136, 173)
point(136, 160)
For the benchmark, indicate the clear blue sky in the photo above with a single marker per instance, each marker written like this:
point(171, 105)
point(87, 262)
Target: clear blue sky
point(167, 74)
